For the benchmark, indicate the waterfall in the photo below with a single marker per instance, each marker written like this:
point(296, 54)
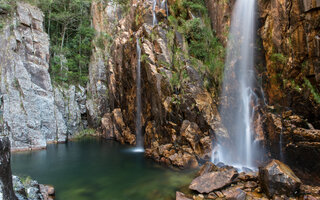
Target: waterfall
point(154, 12)
point(164, 5)
point(238, 98)
point(280, 146)
point(139, 138)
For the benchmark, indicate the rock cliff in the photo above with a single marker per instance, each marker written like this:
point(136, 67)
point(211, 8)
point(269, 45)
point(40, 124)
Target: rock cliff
point(288, 45)
point(33, 113)
point(179, 121)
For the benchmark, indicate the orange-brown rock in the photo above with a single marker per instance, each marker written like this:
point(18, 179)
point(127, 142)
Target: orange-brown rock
point(276, 178)
point(178, 123)
point(290, 38)
point(181, 196)
point(292, 137)
point(212, 181)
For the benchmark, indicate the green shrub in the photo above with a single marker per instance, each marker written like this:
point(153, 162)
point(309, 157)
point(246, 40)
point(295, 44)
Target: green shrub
point(279, 58)
point(313, 90)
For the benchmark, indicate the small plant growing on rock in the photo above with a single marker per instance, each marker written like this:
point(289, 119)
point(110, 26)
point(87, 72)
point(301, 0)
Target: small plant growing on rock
point(279, 58)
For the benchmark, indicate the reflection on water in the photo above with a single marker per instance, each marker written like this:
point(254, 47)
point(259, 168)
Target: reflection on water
point(98, 169)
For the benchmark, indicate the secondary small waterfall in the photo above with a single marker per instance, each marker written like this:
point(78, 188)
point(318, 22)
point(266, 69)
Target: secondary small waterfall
point(164, 5)
point(281, 158)
point(139, 138)
point(154, 12)
point(237, 96)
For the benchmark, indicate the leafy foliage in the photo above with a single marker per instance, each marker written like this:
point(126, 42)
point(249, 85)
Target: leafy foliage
point(69, 26)
point(314, 92)
point(191, 19)
point(279, 58)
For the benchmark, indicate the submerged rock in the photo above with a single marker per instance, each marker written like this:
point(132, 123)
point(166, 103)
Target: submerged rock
point(276, 178)
point(213, 181)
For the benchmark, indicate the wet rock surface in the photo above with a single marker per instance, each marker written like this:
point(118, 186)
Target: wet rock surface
point(277, 178)
point(274, 180)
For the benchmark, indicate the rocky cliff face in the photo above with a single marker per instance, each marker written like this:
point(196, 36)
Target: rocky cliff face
point(290, 37)
point(33, 113)
point(288, 40)
point(290, 34)
point(178, 126)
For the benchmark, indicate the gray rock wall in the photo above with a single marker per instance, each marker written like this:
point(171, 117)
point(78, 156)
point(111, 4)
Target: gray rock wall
point(33, 113)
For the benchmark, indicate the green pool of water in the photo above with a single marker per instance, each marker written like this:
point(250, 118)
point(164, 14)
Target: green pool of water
point(94, 169)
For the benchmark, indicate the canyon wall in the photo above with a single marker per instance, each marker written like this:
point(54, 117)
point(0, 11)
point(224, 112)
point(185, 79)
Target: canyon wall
point(290, 31)
point(178, 123)
point(33, 112)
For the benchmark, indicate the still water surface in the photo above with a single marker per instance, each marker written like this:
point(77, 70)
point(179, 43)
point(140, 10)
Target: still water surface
point(95, 169)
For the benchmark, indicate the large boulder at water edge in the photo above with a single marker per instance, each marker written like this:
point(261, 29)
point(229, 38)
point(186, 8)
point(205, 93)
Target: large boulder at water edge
point(277, 178)
point(209, 182)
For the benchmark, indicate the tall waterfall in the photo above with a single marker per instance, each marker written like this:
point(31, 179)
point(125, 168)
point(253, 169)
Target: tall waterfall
point(154, 12)
point(139, 138)
point(237, 96)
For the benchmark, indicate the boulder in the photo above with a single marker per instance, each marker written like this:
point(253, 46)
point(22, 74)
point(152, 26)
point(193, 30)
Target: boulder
point(234, 193)
point(213, 181)
point(181, 196)
point(276, 178)
point(206, 168)
point(47, 191)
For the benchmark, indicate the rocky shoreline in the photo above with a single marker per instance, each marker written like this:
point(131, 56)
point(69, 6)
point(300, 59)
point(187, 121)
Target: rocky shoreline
point(13, 187)
point(274, 180)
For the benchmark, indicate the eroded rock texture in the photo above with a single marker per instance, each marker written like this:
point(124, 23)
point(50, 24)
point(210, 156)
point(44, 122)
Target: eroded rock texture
point(288, 50)
point(290, 37)
point(33, 112)
point(275, 180)
point(178, 127)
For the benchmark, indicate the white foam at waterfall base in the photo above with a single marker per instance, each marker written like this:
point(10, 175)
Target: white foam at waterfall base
point(137, 150)
point(237, 112)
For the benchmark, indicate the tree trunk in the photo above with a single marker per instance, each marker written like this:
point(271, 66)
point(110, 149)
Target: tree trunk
point(5, 170)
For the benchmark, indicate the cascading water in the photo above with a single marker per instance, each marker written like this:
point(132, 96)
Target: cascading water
point(154, 12)
point(164, 5)
point(139, 138)
point(238, 96)
point(281, 158)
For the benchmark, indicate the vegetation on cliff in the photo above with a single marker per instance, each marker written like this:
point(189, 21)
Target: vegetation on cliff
point(68, 24)
point(191, 19)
